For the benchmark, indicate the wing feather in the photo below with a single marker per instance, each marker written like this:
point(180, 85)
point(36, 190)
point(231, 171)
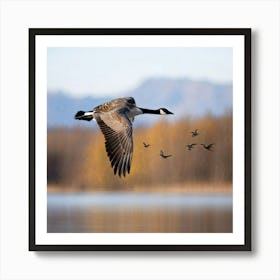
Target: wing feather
point(117, 130)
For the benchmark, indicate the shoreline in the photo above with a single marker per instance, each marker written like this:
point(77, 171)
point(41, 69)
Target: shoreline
point(190, 188)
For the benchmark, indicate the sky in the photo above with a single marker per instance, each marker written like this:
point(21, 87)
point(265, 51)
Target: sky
point(97, 71)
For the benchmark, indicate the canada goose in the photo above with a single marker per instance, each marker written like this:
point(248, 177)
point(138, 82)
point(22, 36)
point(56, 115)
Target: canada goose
point(115, 121)
point(190, 146)
point(163, 155)
point(208, 147)
point(194, 133)
point(146, 145)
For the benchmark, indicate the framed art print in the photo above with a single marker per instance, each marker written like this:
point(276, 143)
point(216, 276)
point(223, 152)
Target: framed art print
point(140, 139)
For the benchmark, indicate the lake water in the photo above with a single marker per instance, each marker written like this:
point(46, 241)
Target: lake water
point(138, 212)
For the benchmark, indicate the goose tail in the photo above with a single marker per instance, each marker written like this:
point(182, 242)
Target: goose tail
point(82, 115)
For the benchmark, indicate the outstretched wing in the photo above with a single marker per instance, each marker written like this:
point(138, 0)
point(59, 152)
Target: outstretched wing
point(117, 130)
point(211, 145)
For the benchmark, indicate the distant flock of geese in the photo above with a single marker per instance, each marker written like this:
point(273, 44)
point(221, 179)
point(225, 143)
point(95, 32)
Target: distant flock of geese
point(194, 133)
point(115, 119)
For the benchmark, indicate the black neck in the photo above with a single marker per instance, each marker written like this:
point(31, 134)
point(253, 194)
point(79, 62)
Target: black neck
point(149, 111)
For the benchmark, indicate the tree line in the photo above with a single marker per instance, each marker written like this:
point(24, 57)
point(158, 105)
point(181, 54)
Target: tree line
point(77, 157)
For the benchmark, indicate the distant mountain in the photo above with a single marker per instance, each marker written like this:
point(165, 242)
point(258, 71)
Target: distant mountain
point(184, 97)
point(61, 108)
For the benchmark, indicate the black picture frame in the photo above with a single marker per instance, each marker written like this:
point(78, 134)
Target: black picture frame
point(246, 32)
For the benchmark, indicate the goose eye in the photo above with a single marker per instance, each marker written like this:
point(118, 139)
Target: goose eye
point(131, 101)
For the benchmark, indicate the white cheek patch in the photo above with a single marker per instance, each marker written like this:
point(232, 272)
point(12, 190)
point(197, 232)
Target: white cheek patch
point(162, 112)
point(90, 113)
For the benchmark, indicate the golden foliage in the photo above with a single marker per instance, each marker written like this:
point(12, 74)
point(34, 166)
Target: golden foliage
point(78, 157)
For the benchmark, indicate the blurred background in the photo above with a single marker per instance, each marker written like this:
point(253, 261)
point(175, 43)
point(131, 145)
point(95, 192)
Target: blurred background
point(191, 191)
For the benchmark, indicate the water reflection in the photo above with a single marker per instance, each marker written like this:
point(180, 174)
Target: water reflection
point(124, 212)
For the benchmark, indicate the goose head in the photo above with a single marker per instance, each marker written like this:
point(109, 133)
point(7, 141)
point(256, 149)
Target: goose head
point(164, 111)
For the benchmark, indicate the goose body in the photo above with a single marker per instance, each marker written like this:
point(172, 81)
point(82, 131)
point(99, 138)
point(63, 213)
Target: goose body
point(115, 119)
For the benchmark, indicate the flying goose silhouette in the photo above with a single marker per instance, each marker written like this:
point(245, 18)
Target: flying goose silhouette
point(163, 155)
point(208, 147)
point(190, 146)
point(146, 145)
point(115, 120)
point(194, 133)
